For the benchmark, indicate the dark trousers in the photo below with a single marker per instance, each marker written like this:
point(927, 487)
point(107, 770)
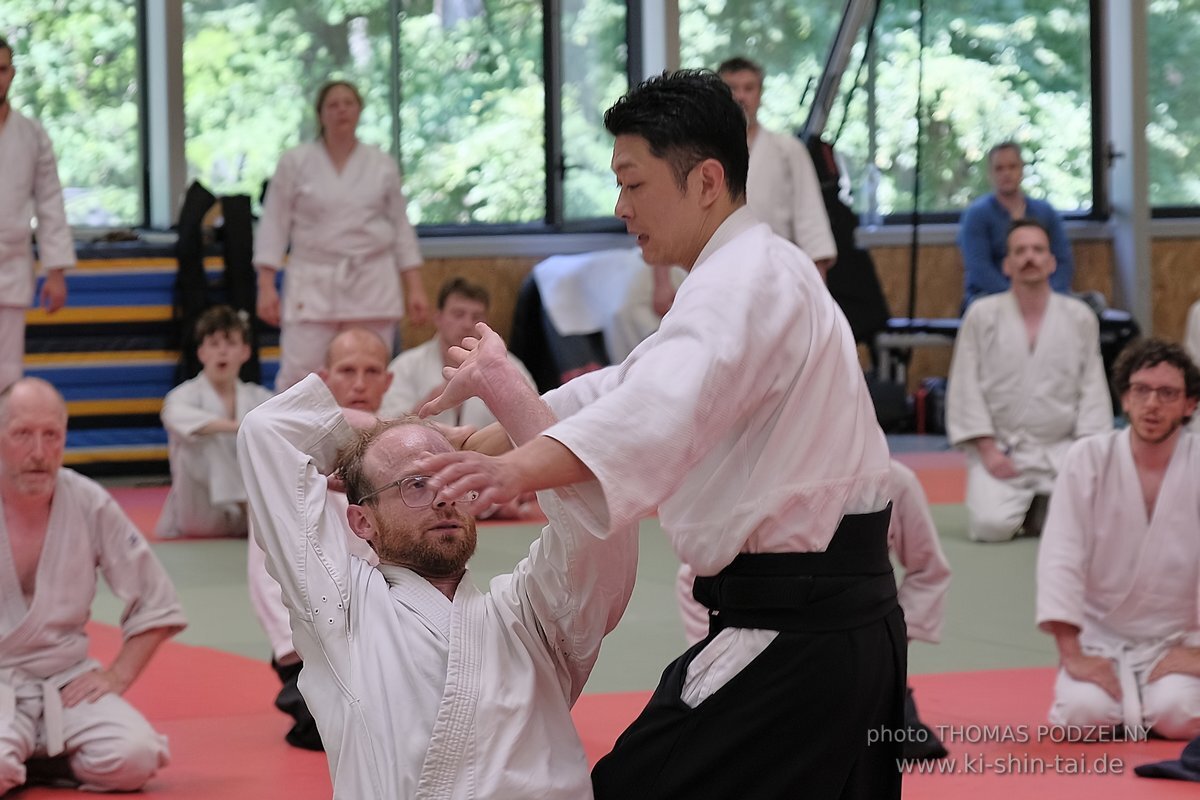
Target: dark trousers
point(797, 722)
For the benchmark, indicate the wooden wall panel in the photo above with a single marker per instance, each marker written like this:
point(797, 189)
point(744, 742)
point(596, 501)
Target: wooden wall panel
point(500, 276)
point(1175, 278)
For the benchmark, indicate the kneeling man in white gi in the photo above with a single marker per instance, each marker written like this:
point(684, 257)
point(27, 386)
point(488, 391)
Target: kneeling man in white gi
point(1120, 558)
point(201, 416)
point(57, 529)
point(1026, 380)
point(421, 685)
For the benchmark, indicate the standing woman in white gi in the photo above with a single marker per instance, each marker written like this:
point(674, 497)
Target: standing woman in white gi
point(338, 203)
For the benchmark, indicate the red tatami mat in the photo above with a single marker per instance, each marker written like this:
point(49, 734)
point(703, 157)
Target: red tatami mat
point(227, 740)
point(943, 474)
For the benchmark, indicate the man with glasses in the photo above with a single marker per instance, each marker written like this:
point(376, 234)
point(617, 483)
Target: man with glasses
point(1026, 380)
point(31, 189)
point(420, 684)
point(1120, 560)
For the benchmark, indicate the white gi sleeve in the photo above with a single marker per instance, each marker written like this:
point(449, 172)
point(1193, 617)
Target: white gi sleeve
point(967, 414)
point(286, 446)
point(134, 573)
point(275, 228)
point(56, 247)
point(576, 582)
point(913, 537)
point(1063, 550)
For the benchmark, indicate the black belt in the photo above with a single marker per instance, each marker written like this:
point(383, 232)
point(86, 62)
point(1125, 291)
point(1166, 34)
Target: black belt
point(848, 585)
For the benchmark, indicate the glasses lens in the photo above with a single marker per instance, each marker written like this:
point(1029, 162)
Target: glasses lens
point(416, 492)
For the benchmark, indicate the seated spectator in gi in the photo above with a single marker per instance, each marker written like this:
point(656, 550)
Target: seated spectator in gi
point(417, 372)
point(1119, 563)
point(59, 529)
point(418, 681)
point(201, 416)
point(1026, 380)
point(983, 229)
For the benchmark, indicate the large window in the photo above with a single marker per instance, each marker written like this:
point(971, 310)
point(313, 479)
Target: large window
point(454, 88)
point(789, 39)
point(77, 75)
point(252, 69)
point(994, 70)
point(1173, 132)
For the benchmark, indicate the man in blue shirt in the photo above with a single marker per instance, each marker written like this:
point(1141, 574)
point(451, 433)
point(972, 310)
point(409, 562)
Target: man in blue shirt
point(983, 229)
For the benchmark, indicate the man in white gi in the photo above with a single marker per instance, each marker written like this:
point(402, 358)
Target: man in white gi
point(57, 530)
point(421, 685)
point(335, 217)
point(417, 372)
point(746, 422)
point(1025, 381)
point(1191, 341)
point(30, 189)
point(201, 417)
point(1119, 563)
point(356, 374)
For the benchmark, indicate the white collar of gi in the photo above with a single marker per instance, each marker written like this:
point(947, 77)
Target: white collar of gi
point(420, 596)
point(734, 224)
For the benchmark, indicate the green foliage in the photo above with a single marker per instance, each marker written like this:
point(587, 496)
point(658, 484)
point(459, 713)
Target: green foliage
point(470, 114)
point(76, 74)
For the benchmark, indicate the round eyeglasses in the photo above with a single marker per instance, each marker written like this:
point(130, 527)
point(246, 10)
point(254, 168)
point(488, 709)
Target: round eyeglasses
point(416, 492)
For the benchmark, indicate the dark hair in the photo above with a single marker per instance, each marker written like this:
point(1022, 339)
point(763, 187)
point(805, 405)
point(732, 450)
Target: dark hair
point(686, 117)
point(462, 286)
point(741, 64)
point(349, 464)
point(223, 319)
point(1008, 144)
point(1146, 353)
point(1026, 222)
point(4, 45)
point(324, 91)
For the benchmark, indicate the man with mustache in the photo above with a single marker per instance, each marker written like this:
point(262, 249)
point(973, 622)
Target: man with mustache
point(420, 684)
point(1120, 558)
point(1026, 380)
point(31, 189)
point(59, 529)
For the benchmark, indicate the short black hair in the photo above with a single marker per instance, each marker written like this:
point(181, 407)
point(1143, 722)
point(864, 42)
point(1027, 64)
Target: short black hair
point(4, 45)
point(1147, 353)
point(462, 286)
point(686, 117)
point(223, 319)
